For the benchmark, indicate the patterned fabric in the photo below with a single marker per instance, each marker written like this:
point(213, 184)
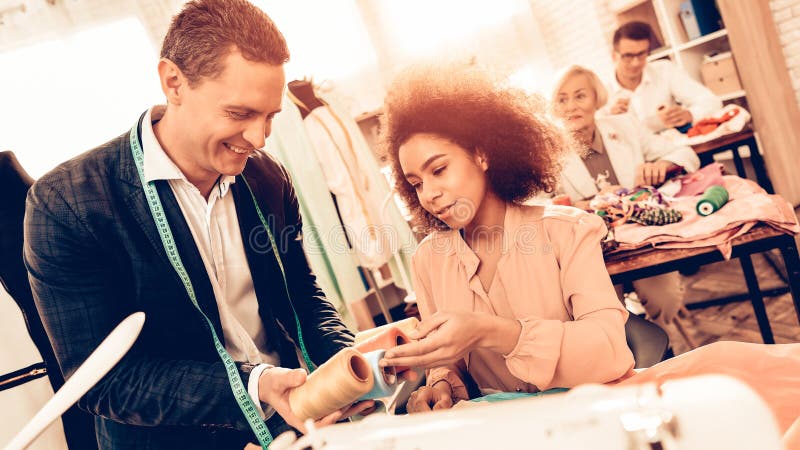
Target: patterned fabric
point(94, 256)
point(656, 216)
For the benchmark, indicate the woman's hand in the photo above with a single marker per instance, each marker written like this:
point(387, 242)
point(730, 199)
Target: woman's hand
point(446, 338)
point(652, 173)
point(430, 398)
point(274, 386)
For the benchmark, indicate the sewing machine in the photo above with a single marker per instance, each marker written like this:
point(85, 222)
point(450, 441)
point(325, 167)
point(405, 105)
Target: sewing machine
point(701, 413)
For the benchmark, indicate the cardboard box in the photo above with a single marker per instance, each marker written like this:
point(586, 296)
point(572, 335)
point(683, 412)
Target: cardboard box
point(720, 75)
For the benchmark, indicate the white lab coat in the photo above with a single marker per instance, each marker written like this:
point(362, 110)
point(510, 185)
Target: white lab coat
point(663, 83)
point(628, 145)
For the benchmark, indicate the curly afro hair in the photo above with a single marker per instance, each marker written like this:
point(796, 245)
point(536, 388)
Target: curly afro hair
point(470, 108)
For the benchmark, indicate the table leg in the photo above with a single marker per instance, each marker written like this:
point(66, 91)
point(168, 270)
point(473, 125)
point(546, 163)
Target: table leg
point(756, 299)
point(792, 262)
point(737, 160)
point(706, 159)
point(758, 165)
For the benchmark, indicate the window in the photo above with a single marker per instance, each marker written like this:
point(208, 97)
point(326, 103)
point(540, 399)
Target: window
point(68, 95)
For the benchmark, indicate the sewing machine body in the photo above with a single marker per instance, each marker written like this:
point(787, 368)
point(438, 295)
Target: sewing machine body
point(698, 413)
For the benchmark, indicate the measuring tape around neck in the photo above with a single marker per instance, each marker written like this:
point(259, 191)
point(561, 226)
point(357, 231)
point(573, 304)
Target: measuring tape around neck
point(240, 393)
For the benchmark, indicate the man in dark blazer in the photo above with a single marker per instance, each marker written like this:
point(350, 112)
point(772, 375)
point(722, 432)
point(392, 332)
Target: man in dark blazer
point(94, 253)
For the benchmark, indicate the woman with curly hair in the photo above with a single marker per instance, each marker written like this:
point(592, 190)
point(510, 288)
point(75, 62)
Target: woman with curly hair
point(518, 297)
point(522, 298)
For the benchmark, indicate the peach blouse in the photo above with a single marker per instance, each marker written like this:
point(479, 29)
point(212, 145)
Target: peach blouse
point(552, 279)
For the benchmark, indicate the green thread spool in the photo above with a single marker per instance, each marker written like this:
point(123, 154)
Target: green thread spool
point(712, 200)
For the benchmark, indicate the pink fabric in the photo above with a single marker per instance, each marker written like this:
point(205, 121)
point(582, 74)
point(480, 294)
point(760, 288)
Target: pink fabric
point(748, 205)
point(791, 439)
point(773, 371)
point(696, 183)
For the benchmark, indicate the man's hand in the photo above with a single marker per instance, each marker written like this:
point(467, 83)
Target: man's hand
point(621, 106)
point(652, 173)
point(674, 116)
point(430, 398)
point(274, 386)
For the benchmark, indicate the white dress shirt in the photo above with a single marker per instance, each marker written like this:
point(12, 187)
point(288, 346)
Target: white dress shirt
point(664, 84)
point(215, 229)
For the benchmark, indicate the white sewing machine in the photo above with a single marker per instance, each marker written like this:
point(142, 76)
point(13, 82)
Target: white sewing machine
point(701, 413)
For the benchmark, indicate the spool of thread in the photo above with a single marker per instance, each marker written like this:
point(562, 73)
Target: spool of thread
point(712, 200)
point(341, 381)
point(385, 377)
point(406, 325)
point(389, 338)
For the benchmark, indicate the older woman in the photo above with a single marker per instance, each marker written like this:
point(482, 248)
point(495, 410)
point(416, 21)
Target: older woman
point(617, 151)
point(617, 148)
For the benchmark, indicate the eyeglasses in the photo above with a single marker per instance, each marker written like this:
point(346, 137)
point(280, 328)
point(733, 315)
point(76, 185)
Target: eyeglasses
point(628, 57)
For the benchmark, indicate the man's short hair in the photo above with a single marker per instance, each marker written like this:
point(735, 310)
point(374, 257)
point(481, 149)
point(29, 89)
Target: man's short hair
point(635, 31)
point(205, 31)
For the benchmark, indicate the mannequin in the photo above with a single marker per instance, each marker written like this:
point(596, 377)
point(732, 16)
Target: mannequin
point(349, 187)
point(301, 92)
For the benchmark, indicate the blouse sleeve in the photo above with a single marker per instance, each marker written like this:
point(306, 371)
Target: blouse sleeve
point(420, 274)
point(591, 348)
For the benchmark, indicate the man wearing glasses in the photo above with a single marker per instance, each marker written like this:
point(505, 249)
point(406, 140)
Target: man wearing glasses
point(658, 93)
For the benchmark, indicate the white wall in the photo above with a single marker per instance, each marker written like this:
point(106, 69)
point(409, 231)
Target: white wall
point(787, 18)
point(577, 32)
point(84, 69)
point(82, 72)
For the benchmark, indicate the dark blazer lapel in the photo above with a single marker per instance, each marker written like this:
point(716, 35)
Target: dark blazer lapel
point(264, 269)
point(190, 256)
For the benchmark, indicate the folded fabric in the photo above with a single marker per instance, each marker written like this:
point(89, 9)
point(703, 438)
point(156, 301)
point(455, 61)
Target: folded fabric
point(734, 124)
point(748, 206)
point(710, 124)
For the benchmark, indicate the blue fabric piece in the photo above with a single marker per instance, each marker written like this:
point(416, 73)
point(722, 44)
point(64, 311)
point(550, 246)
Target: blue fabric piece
point(503, 396)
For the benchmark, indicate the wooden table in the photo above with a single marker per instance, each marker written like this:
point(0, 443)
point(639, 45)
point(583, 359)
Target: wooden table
point(744, 138)
point(647, 262)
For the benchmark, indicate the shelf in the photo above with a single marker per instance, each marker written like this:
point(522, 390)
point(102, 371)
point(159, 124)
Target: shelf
point(732, 95)
point(703, 39)
point(659, 53)
point(620, 6)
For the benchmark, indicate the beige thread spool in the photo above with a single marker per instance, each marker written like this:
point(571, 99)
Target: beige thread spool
point(339, 382)
point(406, 325)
